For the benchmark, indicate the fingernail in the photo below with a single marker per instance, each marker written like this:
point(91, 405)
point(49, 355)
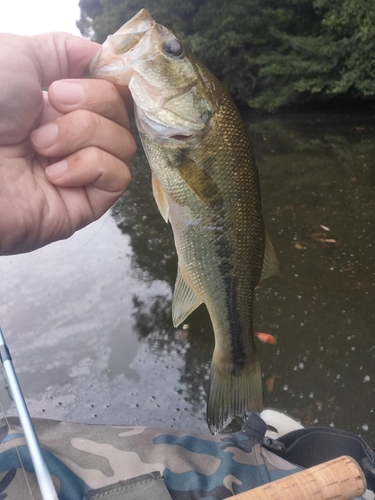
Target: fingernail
point(57, 169)
point(68, 92)
point(44, 137)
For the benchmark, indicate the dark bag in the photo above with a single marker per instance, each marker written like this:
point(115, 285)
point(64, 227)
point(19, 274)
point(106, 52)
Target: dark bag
point(309, 447)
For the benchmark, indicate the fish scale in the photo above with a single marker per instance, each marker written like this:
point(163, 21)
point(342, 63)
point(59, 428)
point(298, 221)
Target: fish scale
point(205, 182)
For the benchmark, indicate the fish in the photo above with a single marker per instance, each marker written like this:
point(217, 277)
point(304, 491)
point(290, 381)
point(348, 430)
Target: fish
point(206, 185)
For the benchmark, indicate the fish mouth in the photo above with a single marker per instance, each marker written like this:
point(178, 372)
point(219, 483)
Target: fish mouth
point(90, 70)
point(103, 64)
point(128, 36)
point(180, 137)
point(106, 63)
point(149, 124)
point(140, 23)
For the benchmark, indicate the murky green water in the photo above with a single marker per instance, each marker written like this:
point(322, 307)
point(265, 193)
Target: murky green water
point(88, 320)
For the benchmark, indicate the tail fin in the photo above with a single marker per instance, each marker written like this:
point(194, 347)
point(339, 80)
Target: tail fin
point(233, 393)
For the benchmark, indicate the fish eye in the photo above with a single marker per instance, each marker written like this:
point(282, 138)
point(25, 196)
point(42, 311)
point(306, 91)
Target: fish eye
point(173, 48)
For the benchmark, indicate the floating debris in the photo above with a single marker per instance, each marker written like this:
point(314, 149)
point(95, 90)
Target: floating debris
point(267, 338)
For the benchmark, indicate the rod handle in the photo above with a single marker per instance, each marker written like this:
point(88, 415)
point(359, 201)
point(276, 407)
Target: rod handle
point(340, 478)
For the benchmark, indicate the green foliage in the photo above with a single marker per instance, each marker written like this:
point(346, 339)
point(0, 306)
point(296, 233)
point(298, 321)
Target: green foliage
point(336, 59)
point(268, 53)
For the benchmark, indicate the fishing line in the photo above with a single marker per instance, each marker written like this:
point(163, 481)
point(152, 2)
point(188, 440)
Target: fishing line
point(91, 238)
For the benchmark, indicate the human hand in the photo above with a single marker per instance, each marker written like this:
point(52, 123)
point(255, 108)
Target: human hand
point(63, 154)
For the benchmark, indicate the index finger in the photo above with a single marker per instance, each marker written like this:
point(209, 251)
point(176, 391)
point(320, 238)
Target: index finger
point(99, 96)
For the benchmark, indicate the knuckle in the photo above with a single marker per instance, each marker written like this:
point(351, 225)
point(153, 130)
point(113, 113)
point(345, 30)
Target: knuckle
point(112, 95)
point(95, 166)
point(92, 157)
point(106, 100)
point(130, 146)
point(96, 157)
point(106, 90)
point(112, 174)
point(82, 120)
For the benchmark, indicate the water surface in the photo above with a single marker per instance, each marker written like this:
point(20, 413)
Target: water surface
point(88, 320)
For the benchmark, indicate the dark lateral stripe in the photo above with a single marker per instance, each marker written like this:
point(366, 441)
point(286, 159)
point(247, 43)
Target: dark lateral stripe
point(236, 331)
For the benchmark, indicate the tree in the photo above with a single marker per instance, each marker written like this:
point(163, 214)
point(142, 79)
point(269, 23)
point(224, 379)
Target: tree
point(268, 53)
point(336, 59)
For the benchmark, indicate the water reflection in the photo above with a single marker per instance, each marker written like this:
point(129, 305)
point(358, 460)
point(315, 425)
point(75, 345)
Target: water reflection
point(151, 239)
point(89, 323)
point(318, 194)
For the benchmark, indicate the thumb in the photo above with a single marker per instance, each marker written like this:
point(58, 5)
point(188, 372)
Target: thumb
point(60, 55)
point(28, 64)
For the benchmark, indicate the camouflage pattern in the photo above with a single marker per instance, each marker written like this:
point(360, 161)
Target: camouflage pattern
point(119, 462)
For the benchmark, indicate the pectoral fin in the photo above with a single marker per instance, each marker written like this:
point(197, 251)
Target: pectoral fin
point(197, 179)
point(184, 301)
point(271, 264)
point(160, 198)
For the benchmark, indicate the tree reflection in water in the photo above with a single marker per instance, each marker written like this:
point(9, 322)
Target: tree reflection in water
point(154, 258)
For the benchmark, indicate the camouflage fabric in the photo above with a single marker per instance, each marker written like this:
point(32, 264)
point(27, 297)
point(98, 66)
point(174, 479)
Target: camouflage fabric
point(114, 462)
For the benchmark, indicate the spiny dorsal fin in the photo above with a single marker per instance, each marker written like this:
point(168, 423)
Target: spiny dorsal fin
point(271, 264)
point(160, 198)
point(184, 300)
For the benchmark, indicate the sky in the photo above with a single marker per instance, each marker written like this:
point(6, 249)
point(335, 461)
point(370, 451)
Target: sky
point(29, 17)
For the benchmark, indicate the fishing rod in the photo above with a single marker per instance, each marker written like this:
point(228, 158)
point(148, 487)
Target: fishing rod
point(43, 476)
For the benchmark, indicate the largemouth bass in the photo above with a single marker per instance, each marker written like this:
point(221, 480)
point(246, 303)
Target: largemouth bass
point(205, 183)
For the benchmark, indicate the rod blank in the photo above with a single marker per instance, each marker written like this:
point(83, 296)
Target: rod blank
point(47, 488)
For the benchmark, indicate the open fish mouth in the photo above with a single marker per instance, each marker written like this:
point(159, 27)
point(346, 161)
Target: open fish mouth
point(179, 137)
point(148, 123)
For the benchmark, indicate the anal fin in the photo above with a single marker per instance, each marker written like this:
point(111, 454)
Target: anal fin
point(271, 264)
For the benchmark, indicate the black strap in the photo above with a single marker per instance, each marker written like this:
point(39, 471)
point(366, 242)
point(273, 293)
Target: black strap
point(309, 447)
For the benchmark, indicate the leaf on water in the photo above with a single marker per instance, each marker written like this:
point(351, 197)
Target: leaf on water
point(267, 338)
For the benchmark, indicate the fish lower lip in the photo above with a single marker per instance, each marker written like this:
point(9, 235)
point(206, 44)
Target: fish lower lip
point(90, 70)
